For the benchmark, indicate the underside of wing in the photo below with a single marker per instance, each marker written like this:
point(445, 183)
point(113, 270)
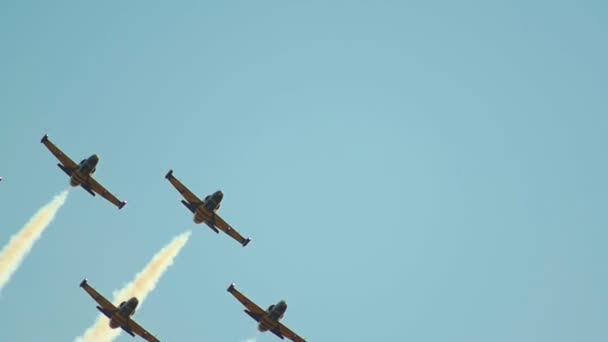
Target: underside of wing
point(88, 189)
point(64, 159)
point(139, 330)
point(106, 312)
point(105, 305)
point(256, 316)
point(277, 332)
point(285, 331)
point(127, 329)
point(92, 185)
point(192, 199)
point(252, 309)
point(218, 222)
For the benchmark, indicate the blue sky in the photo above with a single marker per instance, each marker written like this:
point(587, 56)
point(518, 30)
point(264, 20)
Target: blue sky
point(408, 171)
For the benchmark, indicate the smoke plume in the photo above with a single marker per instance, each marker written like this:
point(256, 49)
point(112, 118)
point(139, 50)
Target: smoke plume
point(143, 283)
point(21, 243)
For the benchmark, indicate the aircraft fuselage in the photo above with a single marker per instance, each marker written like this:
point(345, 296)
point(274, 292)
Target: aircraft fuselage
point(274, 313)
point(126, 310)
point(85, 169)
point(211, 203)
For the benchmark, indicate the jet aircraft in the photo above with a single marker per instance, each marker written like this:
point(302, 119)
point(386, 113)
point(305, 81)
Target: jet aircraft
point(206, 210)
point(267, 319)
point(82, 173)
point(120, 317)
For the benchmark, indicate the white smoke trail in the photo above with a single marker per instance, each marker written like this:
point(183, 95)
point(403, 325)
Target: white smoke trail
point(253, 338)
point(143, 283)
point(21, 243)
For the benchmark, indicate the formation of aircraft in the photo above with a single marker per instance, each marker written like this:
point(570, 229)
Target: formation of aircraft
point(82, 173)
point(120, 317)
point(268, 320)
point(204, 211)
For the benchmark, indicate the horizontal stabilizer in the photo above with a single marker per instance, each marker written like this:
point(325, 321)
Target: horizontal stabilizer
point(188, 206)
point(66, 170)
point(255, 316)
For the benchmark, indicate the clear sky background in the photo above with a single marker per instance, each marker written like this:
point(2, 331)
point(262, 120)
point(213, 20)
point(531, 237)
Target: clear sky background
point(407, 170)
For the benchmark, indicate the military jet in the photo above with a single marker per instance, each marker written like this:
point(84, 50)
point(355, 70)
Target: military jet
point(206, 210)
point(82, 173)
point(267, 319)
point(120, 317)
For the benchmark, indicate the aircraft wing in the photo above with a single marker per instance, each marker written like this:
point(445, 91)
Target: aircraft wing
point(219, 222)
point(65, 160)
point(92, 185)
point(105, 304)
point(283, 331)
point(183, 190)
point(137, 329)
point(252, 309)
